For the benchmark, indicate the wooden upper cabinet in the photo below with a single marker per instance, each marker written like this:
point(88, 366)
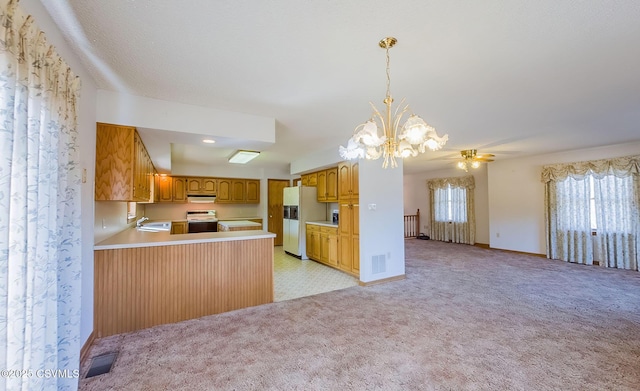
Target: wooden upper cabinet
point(312, 179)
point(253, 191)
point(238, 191)
point(322, 186)
point(355, 180)
point(179, 189)
point(202, 186)
point(332, 185)
point(165, 188)
point(348, 180)
point(344, 181)
point(328, 185)
point(124, 171)
point(224, 190)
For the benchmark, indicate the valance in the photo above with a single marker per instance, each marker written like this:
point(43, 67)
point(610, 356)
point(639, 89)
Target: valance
point(620, 167)
point(467, 182)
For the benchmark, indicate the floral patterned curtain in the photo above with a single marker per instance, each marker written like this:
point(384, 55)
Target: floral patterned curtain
point(39, 210)
point(452, 215)
point(593, 211)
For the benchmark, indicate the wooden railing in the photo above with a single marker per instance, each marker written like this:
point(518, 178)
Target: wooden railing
point(412, 225)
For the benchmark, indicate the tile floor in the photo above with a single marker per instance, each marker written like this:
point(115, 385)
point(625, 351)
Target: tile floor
point(297, 278)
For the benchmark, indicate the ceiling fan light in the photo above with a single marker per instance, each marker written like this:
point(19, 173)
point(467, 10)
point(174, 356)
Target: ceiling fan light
point(462, 165)
point(475, 164)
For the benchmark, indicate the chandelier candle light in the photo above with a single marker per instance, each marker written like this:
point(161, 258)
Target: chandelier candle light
point(414, 137)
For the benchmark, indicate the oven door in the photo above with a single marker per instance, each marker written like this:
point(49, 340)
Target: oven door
point(202, 226)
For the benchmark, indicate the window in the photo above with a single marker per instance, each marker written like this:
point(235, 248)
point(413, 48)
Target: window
point(593, 211)
point(598, 204)
point(131, 212)
point(451, 204)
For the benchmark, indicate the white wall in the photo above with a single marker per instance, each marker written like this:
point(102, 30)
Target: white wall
point(316, 161)
point(87, 141)
point(131, 110)
point(516, 195)
point(416, 196)
point(382, 229)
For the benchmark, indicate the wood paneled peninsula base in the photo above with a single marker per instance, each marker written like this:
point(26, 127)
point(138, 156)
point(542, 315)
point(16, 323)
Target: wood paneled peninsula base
point(143, 279)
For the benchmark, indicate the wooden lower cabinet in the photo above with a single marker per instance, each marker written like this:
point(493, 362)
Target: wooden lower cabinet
point(313, 242)
point(179, 227)
point(329, 246)
point(137, 288)
point(322, 244)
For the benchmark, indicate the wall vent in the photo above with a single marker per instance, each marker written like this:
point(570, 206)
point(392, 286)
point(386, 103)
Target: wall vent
point(378, 264)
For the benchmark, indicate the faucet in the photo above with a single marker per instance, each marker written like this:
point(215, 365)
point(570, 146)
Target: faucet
point(142, 220)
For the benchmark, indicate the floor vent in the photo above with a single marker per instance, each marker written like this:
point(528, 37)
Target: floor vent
point(378, 264)
point(101, 364)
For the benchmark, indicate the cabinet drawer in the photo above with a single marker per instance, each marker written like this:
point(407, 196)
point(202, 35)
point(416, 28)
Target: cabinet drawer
point(329, 230)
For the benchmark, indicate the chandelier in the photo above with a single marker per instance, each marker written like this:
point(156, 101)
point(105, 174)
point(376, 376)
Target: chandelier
point(396, 141)
point(470, 158)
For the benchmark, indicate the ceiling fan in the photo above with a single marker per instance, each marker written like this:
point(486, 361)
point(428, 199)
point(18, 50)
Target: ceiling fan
point(470, 158)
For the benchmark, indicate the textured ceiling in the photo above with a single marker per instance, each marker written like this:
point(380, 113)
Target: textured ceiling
point(505, 77)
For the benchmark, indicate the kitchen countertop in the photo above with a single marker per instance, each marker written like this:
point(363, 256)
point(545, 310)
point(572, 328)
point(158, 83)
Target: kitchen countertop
point(323, 223)
point(239, 218)
point(132, 238)
point(239, 223)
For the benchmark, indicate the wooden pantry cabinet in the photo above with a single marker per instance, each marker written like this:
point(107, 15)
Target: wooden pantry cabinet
point(349, 238)
point(124, 171)
point(349, 224)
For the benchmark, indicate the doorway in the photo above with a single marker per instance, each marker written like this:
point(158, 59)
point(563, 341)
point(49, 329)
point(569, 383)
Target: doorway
point(275, 208)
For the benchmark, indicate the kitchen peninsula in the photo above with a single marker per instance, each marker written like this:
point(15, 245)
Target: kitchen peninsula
point(143, 279)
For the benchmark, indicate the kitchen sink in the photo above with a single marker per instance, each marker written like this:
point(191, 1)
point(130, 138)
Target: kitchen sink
point(156, 226)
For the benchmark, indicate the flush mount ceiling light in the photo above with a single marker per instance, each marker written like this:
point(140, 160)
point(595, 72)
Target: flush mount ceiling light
point(470, 158)
point(242, 157)
point(396, 141)
point(208, 141)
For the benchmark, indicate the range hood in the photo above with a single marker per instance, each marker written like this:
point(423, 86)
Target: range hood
point(201, 199)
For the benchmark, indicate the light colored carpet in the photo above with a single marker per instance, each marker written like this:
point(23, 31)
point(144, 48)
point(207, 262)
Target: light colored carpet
point(465, 318)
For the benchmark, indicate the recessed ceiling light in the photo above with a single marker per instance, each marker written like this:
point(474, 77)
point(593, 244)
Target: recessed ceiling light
point(242, 157)
point(208, 141)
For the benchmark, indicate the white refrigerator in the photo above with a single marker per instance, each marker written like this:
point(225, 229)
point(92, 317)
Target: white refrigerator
point(300, 205)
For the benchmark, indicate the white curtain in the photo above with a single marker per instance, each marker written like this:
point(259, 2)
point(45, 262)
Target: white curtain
point(452, 209)
point(39, 210)
point(616, 222)
point(573, 225)
point(600, 223)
